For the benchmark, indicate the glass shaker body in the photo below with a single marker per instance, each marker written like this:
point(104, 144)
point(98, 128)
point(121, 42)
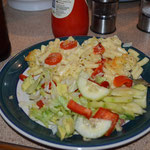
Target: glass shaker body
point(5, 46)
point(144, 16)
point(104, 14)
point(69, 18)
point(145, 7)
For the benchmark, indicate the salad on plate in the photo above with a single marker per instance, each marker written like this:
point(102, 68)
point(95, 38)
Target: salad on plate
point(88, 89)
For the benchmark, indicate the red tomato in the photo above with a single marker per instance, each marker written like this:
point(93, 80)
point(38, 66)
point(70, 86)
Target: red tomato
point(122, 80)
point(76, 23)
point(77, 108)
point(98, 70)
point(104, 84)
point(40, 104)
point(99, 49)
point(80, 95)
point(50, 85)
point(22, 77)
point(43, 85)
point(66, 45)
point(53, 59)
point(106, 114)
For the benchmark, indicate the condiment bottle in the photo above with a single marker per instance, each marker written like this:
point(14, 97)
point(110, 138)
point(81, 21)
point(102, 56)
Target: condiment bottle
point(5, 46)
point(69, 18)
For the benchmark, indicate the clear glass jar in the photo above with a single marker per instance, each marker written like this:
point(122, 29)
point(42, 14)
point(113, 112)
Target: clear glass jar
point(5, 46)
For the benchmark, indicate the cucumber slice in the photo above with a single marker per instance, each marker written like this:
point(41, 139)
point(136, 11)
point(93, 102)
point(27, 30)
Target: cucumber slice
point(95, 104)
point(92, 128)
point(91, 90)
point(133, 108)
point(124, 91)
point(118, 99)
point(140, 87)
point(114, 107)
point(141, 101)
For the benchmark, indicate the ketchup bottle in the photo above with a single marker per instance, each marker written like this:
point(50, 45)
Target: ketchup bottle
point(5, 46)
point(69, 18)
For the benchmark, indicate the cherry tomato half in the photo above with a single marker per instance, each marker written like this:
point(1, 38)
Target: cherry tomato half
point(67, 45)
point(53, 59)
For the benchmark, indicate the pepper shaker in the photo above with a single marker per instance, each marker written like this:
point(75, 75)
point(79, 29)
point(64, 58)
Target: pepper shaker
point(144, 16)
point(104, 13)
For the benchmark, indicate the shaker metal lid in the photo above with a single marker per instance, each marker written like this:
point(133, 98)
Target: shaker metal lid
point(105, 1)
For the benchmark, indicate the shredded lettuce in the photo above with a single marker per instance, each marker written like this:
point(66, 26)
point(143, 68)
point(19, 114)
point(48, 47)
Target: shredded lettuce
point(127, 117)
point(63, 102)
point(44, 114)
point(62, 89)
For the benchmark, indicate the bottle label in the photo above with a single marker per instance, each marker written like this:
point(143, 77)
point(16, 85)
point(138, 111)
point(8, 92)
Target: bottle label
point(62, 8)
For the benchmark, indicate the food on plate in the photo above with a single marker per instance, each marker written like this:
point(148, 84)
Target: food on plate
point(88, 89)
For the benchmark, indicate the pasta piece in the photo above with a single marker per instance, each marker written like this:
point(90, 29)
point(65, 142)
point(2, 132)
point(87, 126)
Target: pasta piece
point(43, 56)
point(32, 55)
point(35, 70)
point(43, 47)
point(91, 65)
point(133, 53)
point(137, 71)
point(144, 61)
point(122, 50)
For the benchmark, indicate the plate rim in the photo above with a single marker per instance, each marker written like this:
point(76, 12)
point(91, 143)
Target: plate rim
point(35, 139)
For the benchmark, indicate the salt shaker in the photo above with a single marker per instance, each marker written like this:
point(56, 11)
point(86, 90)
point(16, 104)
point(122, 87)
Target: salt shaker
point(5, 46)
point(144, 16)
point(104, 13)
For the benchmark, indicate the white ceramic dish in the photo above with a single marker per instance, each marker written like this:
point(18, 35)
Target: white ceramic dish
point(30, 5)
point(18, 120)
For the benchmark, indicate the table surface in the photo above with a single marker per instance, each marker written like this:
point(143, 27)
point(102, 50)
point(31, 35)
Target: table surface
point(28, 28)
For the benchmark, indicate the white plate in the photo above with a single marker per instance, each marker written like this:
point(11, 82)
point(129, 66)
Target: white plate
point(18, 120)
